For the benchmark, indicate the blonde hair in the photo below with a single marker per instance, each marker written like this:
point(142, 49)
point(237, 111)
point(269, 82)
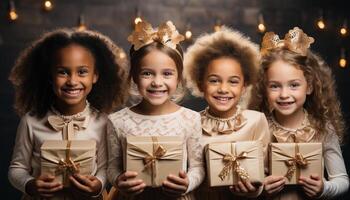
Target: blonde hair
point(322, 104)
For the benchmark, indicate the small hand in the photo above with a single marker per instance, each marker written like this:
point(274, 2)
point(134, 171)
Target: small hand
point(44, 186)
point(176, 185)
point(87, 185)
point(130, 187)
point(313, 186)
point(244, 186)
point(274, 184)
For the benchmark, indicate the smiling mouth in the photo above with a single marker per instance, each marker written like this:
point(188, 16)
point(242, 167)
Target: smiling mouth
point(72, 92)
point(285, 103)
point(157, 92)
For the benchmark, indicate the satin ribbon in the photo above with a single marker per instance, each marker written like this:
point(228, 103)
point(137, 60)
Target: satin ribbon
point(67, 166)
point(232, 163)
point(150, 159)
point(68, 127)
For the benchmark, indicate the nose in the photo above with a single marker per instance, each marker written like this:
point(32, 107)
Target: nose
point(157, 81)
point(284, 92)
point(223, 88)
point(72, 79)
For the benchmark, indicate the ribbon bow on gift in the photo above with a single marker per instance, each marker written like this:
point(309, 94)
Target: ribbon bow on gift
point(297, 162)
point(68, 126)
point(232, 163)
point(150, 160)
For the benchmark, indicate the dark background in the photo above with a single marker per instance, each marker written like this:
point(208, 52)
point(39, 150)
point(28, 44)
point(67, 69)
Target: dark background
point(114, 18)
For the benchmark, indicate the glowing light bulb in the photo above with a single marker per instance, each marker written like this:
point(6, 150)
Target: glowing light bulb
point(343, 31)
point(13, 15)
point(137, 20)
point(321, 24)
point(188, 34)
point(342, 62)
point(261, 28)
point(122, 55)
point(48, 5)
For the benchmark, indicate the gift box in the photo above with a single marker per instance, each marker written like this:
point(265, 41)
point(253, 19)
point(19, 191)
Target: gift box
point(293, 160)
point(63, 158)
point(154, 158)
point(229, 162)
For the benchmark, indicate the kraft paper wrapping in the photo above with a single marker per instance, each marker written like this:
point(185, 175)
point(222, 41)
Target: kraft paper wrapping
point(62, 158)
point(293, 160)
point(227, 163)
point(154, 158)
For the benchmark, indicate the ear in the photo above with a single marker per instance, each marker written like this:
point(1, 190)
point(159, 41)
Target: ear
point(95, 78)
point(309, 89)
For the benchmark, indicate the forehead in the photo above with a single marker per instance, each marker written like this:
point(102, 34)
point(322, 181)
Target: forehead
point(157, 59)
point(284, 71)
point(225, 67)
point(74, 53)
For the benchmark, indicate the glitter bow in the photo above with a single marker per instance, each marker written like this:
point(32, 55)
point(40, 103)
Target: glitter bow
point(67, 166)
point(295, 40)
point(165, 34)
point(232, 164)
point(297, 162)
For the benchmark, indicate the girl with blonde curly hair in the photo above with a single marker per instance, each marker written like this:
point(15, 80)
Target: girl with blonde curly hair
point(219, 67)
point(65, 77)
point(296, 90)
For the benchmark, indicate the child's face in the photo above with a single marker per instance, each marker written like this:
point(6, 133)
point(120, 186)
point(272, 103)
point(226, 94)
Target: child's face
point(73, 74)
point(286, 88)
point(223, 85)
point(157, 78)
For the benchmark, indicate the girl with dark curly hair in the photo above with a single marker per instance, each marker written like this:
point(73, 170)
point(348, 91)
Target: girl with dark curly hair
point(72, 77)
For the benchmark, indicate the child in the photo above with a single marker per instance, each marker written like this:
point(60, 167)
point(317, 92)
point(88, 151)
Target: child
point(219, 67)
point(64, 76)
point(156, 69)
point(296, 90)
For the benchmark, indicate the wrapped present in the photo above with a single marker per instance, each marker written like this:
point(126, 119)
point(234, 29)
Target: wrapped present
point(154, 158)
point(63, 158)
point(229, 162)
point(293, 160)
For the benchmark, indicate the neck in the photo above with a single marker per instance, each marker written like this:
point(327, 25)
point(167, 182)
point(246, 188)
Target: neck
point(292, 121)
point(223, 114)
point(69, 110)
point(146, 108)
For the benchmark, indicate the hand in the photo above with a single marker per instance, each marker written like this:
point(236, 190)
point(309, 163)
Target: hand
point(86, 185)
point(244, 187)
point(44, 186)
point(176, 185)
point(274, 184)
point(130, 187)
point(313, 186)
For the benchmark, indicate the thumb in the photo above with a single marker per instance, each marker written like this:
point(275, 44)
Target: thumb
point(315, 177)
point(46, 177)
point(182, 174)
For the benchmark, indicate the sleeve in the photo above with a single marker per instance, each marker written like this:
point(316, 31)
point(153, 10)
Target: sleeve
point(196, 171)
point(115, 155)
point(338, 180)
point(102, 159)
point(20, 167)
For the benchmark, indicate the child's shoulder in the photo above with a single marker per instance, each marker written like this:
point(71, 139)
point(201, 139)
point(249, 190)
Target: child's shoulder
point(189, 112)
point(118, 115)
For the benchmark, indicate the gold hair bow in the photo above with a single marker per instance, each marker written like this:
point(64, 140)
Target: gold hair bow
point(144, 34)
point(295, 40)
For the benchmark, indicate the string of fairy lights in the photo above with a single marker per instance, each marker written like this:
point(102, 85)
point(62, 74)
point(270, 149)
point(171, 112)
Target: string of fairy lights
point(48, 5)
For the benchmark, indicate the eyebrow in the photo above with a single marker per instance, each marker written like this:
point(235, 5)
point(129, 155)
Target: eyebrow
point(215, 75)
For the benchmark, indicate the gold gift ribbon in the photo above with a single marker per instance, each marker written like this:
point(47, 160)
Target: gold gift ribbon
point(67, 166)
point(232, 163)
point(67, 126)
point(150, 159)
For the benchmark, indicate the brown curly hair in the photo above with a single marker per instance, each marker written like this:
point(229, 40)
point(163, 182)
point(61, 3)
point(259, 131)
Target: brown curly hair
point(224, 43)
point(322, 104)
point(31, 74)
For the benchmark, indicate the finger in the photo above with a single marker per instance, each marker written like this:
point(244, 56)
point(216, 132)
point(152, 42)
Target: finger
point(84, 180)
point(47, 185)
point(50, 190)
point(177, 180)
point(242, 187)
point(182, 174)
point(249, 186)
point(273, 179)
point(136, 189)
point(274, 185)
point(171, 192)
point(315, 177)
point(235, 189)
point(309, 192)
point(46, 177)
point(173, 186)
point(129, 183)
point(127, 175)
point(79, 185)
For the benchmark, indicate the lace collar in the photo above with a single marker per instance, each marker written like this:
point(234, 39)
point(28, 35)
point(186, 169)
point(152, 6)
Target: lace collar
point(213, 125)
point(85, 112)
point(304, 133)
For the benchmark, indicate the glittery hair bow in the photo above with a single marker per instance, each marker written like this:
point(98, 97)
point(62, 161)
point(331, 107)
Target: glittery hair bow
point(295, 40)
point(166, 34)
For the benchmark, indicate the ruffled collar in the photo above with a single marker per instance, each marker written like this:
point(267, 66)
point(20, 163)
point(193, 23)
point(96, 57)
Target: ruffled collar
point(213, 125)
point(304, 133)
point(83, 113)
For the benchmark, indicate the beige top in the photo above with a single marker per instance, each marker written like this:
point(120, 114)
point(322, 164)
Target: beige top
point(183, 122)
point(338, 180)
point(33, 131)
point(246, 125)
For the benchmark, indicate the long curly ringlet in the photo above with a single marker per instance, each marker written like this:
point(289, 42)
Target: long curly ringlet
point(224, 43)
point(31, 74)
point(322, 104)
point(137, 54)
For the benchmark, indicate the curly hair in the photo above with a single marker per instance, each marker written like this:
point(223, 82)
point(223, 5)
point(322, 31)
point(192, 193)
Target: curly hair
point(322, 104)
point(137, 56)
point(31, 74)
point(224, 43)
